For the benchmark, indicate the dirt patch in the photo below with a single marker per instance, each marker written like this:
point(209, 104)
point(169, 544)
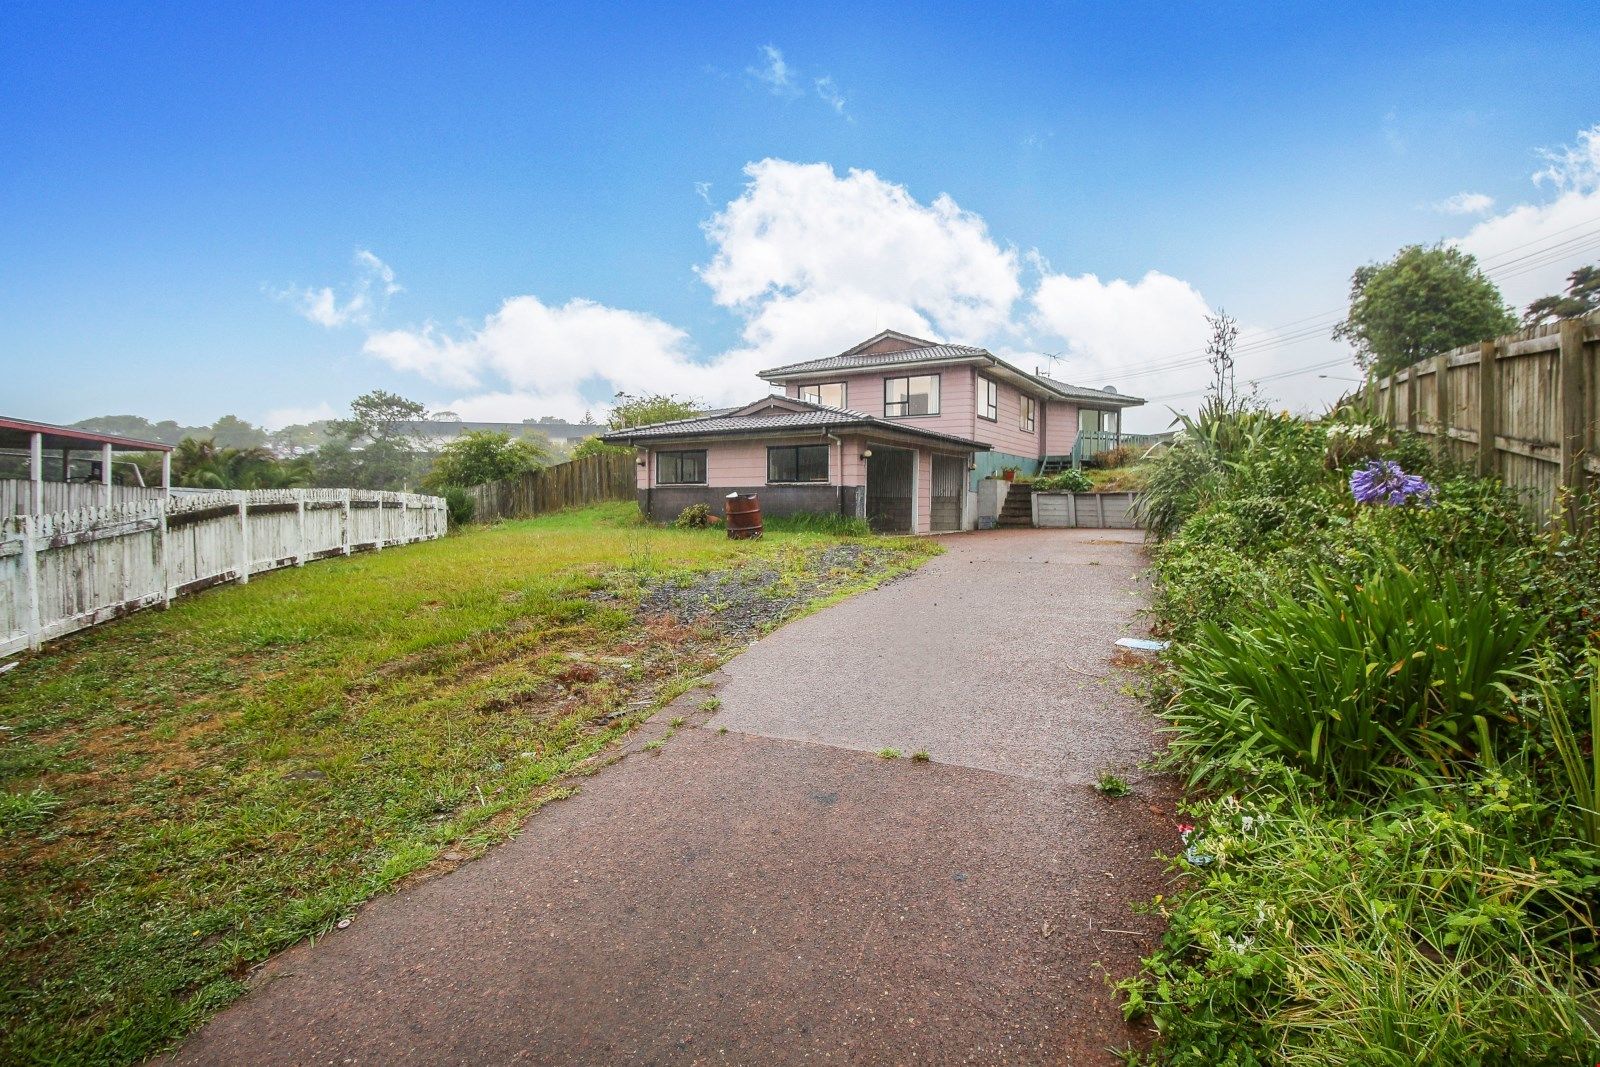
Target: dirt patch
point(746, 601)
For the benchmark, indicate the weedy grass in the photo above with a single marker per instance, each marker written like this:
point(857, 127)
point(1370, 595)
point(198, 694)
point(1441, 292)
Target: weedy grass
point(888, 753)
point(184, 793)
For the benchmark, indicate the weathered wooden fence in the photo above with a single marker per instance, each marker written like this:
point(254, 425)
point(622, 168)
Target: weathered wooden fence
point(71, 570)
point(16, 495)
point(1104, 511)
point(589, 480)
point(1525, 407)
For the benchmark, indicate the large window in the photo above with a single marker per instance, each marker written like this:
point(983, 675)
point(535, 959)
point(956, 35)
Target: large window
point(988, 400)
point(911, 396)
point(797, 463)
point(831, 394)
point(681, 468)
point(1030, 414)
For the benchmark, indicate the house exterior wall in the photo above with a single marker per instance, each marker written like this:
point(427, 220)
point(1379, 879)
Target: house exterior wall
point(1056, 423)
point(1061, 428)
point(864, 393)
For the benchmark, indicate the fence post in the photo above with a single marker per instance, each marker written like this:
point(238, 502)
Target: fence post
point(300, 517)
point(1442, 402)
point(1389, 402)
point(1488, 409)
point(379, 544)
point(1411, 398)
point(344, 537)
point(166, 556)
point(30, 572)
point(244, 537)
point(1574, 423)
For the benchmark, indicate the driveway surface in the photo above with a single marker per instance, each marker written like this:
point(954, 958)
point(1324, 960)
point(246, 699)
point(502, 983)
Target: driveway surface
point(778, 893)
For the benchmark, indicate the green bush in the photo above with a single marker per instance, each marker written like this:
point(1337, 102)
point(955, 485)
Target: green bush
point(459, 506)
point(1424, 933)
point(694, 517)
point(1067, 481)
point(1370, 679)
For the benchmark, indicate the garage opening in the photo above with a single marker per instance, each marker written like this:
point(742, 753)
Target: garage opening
point(949, 479)
point(889, 489)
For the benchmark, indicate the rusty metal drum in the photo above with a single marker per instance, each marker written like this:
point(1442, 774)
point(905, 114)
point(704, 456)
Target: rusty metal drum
point(743, 512)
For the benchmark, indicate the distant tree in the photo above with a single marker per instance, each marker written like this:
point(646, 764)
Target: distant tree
point(593, 446)
point(1422, 302)
point(481, 456)
point(370, 449)
point(651, 408)
point(588, 417)
point(298, 439)
point(1582, 297)
point(230, 431)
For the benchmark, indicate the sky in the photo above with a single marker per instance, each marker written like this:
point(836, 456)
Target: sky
point(510, 211)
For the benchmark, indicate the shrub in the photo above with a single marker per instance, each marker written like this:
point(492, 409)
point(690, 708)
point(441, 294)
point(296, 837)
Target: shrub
point(1186, 478)
point(694, 517)
point(1120, 456)
point(1067, 481)
point(1424, 934)
point(459, 505)
point(1368, 679)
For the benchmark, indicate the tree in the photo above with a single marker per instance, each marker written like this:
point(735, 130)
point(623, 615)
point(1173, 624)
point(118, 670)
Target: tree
point(630, 411)
point(1422, 302)
point(593, 446)
point(371, 449)
point(1583, 296)
point(481, 456)
point(200, 463)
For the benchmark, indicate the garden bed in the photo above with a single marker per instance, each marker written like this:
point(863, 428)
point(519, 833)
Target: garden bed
point(1381, 691)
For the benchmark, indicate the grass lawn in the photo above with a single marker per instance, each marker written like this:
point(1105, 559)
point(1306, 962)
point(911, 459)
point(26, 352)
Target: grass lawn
point(183, 793)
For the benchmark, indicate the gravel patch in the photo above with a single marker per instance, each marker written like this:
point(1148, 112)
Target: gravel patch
point(748, 600)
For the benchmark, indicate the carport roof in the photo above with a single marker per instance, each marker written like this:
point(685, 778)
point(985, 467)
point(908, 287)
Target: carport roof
point(777, 414)
point(17, 433)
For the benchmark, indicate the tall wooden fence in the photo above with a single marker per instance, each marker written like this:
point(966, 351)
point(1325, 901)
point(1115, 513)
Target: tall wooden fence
point(1538, 394)
point(589, 480)
point(71, 570)
point(16, 495)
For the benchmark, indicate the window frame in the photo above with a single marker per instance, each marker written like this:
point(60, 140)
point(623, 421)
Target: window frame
point(827, 464)
point(992, 386)
point(844, 393)
point(678, 454)
point(937, 396)
point(1028, 414)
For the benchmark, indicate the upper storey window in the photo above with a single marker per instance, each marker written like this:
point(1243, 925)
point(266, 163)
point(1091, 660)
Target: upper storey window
point(828, 394)
point(988, 400)
point(1028, 415)
point(917, 395)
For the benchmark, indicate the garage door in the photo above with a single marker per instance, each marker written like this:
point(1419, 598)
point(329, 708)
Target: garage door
point(889, 483)
point(949, 474)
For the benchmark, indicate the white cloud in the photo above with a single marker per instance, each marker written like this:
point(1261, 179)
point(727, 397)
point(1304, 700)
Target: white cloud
point(278, 418)
point(828, 90)
point(362, 299)
point(774, 73)
point(810, 261)
point(1531, 248)
point(1463, 204)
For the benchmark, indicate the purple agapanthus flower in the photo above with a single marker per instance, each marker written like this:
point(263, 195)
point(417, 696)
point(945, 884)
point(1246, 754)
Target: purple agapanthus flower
point(1382, 481)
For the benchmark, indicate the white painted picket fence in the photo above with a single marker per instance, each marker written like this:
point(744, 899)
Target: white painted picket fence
point(71, 570)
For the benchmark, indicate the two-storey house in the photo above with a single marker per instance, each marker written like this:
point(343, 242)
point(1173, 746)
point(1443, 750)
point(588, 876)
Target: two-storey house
point(897, 430)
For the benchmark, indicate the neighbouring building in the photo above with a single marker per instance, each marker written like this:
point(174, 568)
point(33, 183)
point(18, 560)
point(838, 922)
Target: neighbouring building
point(897, 430)
point(429, 435)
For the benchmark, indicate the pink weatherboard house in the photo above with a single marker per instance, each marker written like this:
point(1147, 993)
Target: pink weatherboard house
point(897, 430)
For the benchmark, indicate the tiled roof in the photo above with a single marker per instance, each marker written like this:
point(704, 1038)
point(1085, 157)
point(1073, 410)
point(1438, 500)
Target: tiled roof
point(849, 361)
point(817, 418)
point(947, 353)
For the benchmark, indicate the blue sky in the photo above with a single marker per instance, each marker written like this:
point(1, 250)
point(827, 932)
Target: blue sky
point(180, 185)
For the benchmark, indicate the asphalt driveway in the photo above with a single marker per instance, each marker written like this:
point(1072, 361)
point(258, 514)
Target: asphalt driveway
point(777, 893)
